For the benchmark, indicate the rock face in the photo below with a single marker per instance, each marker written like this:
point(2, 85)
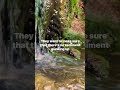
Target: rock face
point(105, 8)
point(97, 65)
point(13, 16)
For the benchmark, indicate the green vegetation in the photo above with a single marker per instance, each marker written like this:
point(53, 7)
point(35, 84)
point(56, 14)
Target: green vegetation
point(60, 20)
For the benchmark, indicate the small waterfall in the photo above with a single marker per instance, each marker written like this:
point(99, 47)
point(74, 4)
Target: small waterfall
point(40, 7)
point(43, 14)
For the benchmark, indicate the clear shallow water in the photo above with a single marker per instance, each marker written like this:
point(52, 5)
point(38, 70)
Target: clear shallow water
point(62, 73)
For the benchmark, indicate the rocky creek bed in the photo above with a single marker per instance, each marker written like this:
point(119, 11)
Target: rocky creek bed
point(59, 73)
